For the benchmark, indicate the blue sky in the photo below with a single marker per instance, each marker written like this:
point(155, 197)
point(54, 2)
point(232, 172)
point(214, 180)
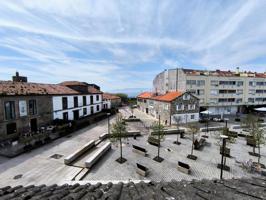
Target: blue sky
point(124, 44)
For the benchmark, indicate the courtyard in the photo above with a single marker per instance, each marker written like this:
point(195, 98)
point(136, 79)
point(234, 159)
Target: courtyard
point(45, 165)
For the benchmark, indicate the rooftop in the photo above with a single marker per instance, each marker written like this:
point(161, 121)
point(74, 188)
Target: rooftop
point(168, 97)
point(223, 73)
point(205, 189)
point(108, 96)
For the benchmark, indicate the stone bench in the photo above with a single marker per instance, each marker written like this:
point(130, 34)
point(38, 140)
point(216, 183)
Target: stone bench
point(199, 144)
point(226, 152)
point(69, 159)
point(139, 150)
point(104, 136)
point(183, 167)
point(251, 141)
point(153, 141)
point(142, 170)
point(217, 128)
point(97, 155)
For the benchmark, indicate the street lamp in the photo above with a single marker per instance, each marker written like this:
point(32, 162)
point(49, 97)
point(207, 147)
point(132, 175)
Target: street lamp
point(223, 137)
point(108, 115)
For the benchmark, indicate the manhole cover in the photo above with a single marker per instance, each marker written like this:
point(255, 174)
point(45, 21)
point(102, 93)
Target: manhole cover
point(56, 156)
point(17, 176)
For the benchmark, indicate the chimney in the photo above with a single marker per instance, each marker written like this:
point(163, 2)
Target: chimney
point(237, 70)
point(18, 78)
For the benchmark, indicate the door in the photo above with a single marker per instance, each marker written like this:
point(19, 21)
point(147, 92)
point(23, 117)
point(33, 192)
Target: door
point(76, 114)
point(147, 110)
point(33, 125)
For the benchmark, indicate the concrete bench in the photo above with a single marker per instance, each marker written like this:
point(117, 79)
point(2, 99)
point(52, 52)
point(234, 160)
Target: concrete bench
point(199, 144)
point(139, 150)
point(103, 136)
point(217, 128)
point(170, 131)
point(97, 155)
point(142, 170)
point(69, 159)
point(183, 167)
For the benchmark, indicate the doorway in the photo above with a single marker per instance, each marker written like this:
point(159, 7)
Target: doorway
point(33, 125)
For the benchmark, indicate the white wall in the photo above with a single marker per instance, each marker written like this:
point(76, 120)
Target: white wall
point(186, 117)
point(58, 107)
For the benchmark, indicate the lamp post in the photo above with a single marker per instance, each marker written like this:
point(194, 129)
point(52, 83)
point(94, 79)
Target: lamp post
point(108, 119)
point(223, 137)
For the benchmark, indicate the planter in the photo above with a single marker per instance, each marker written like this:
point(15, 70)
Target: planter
point(232, 134)
point(225, 167)
point(142, 170)
point(237, 119)
point(153, 141)
point(139, 150)
point(192, 157)
point(251, 141)
point(253, 154)
point(183, 167)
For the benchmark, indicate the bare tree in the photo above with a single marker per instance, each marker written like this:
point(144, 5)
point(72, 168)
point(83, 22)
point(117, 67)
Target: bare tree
point(117, 133)
point(251, 122)
point(177, 120)
point(192, 129)
point(158, 129)
point(260, 140)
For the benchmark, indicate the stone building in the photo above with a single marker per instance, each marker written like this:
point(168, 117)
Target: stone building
point(172, 106)
point(111, 101)
point(26, 107)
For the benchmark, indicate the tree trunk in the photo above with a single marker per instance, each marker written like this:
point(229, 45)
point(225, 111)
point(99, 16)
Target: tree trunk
point(120, 148)
point(192, 143)
point(177, 136)
point(259, 153)
point(159, 136)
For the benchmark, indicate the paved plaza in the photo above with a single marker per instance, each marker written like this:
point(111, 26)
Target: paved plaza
point(37, 167)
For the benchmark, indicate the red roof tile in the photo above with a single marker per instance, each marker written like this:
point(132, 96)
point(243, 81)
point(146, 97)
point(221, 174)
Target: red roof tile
point(145, 95)
point(169, 96)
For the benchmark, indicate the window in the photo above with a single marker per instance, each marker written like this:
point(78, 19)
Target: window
point(64, 103)
point(32, 107)
point(97, 97)
point(92, 110)
point(76, 102)
point(84, 111)
point(11, 128)
point(179, 107)
point(186, 97)
point(200, 92)
point(251, 91)
point(191, 82)
point(10, 110)
point(251, 100)
point(65, 116)
point(239, 83)
point(214, 92)
point(239, 100)
point(214, 83)
point(192, 116)
point(252, 83)
point(91, 99)
point(239, 91)
point(84, 101)
point(200, 82)
point(98, 108)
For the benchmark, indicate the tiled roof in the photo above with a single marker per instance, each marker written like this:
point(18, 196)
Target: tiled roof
point(145, 95)
point(169, 96)
point(93, 90)
point(23, 88)
point(237, 189)
point(73, 83)
point(108, 96)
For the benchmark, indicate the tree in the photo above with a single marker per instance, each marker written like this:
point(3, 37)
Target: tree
point(251, 122)
point(117, 133)
point(177, 120)
point(124, 97)
point(192, 129)
point(158, 129)
point(260, 140)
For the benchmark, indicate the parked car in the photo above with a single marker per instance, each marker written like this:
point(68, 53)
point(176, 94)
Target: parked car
point(217, 119)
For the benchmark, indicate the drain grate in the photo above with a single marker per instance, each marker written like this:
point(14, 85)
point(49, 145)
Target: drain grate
point(17, 176)
point(56, 156)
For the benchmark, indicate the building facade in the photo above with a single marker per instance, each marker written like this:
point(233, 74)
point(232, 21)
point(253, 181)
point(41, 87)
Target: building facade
point(221, 92)
point(172, 107)
point(111, 101)
point(26, 107)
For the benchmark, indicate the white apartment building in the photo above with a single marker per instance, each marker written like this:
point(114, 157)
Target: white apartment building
point(221, 92)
